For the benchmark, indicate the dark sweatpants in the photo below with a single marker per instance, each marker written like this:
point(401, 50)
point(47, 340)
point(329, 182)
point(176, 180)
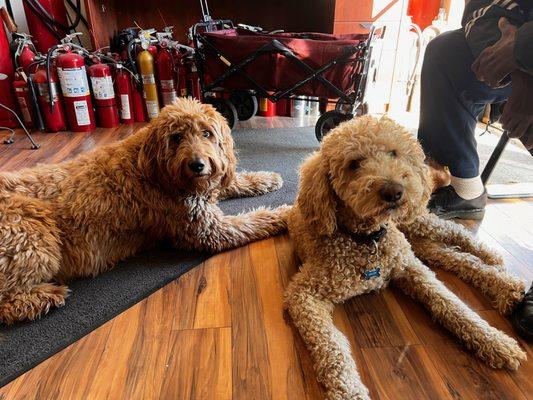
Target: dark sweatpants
point(451, 99)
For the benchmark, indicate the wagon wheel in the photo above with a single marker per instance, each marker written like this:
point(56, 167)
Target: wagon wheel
point(245, 103)
point(328, 121)
point(226, 108)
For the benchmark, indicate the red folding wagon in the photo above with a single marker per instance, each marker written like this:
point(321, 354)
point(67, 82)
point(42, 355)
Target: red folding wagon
point(237, 63)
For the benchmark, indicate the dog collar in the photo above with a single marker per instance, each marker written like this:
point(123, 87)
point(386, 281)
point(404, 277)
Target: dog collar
point(368, 238)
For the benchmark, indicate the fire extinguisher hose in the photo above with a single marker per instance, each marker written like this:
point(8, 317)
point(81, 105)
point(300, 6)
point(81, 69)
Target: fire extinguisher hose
point(129, 49)
point(34, 145)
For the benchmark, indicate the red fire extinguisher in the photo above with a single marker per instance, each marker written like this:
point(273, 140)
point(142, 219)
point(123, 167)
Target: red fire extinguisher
point(193, 81)
point(124, 94)
point(26, 58)
point(266, 107)
point(165, 72)
point(181, 73)
point(22, 93)
point(104, 95)
point(75, 88)
point(54, 119)
point(45, 34)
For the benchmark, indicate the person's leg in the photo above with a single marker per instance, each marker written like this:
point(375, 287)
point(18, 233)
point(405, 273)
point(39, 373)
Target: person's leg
point(451, 100)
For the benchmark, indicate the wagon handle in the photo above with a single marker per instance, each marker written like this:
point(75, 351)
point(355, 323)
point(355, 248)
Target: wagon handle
point(205, 10)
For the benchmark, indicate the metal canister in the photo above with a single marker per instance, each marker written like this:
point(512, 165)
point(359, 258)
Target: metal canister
point(314, 107)
point(298, 108)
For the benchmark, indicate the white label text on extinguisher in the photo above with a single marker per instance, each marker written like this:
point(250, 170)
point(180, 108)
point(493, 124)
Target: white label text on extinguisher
point(168, 97)
point(73, 81)
point(168, 91)
point(148, 79)
point(167, 84)
point(102, 87)
point(82, 112)
point(153, 108)
point(125, 112)
point(42, 88)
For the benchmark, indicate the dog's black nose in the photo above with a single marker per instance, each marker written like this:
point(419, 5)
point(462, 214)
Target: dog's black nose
point(197, 165)
point(391, 192)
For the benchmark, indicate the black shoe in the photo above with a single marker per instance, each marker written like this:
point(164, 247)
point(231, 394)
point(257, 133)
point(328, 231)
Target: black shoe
point(522, 317)
point(446, 204)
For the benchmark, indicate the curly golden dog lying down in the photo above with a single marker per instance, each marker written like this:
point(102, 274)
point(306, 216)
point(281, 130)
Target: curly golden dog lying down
point(366, 185)
point(80, 217)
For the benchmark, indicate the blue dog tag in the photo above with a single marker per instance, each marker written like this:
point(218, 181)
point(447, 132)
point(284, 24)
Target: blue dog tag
point(372, 273)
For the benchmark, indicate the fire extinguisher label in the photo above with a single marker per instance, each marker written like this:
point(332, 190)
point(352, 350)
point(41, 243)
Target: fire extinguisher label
point(82, 113)
point(168, 97)
point(43, 91)
point(102, 87)
point(167, 84)
point(125, 112)
point(148, 79)
point(153, 108)
point(73, 81)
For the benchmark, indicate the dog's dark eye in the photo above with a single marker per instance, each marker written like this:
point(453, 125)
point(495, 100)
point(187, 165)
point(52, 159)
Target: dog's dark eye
point(393, 153)
point(354, 164)
point(176, 138)
point(207, 134)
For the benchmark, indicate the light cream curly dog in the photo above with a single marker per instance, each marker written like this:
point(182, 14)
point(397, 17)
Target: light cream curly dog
point(80, 217)
point(368, 177)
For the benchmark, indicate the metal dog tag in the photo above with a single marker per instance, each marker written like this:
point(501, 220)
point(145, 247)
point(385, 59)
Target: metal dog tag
point(372, 273)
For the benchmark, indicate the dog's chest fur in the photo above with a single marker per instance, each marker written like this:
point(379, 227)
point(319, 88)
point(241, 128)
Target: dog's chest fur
point(356, 268)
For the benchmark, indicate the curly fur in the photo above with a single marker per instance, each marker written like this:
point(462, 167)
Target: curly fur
point(80, 217)
point(339, 198)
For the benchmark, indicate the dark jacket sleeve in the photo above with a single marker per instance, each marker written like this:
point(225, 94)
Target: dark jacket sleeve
point(523, 48)
point(480, 22)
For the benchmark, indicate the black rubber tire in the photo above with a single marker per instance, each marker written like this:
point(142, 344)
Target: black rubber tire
point(245, 103)
point(328, 121)
point(226, 108)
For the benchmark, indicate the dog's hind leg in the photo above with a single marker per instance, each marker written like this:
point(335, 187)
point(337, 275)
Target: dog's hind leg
point(249, 184)
point(491, 345)
point(329, 348)
point(29, 260)
point(31, 303)
point(504, 289)
point(431, 227)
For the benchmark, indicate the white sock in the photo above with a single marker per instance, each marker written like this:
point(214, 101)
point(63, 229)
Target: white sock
point(468, 188)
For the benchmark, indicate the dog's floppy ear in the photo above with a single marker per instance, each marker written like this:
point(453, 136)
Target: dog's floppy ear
point(315, 197)
point(151, 155)
point(150, 151)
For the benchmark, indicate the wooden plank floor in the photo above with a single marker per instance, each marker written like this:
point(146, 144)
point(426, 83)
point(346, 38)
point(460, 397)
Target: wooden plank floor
point(219, 331)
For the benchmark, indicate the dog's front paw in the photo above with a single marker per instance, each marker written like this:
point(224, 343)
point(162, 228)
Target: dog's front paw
point(264, 182)
point(510, 295)
point(502, 351)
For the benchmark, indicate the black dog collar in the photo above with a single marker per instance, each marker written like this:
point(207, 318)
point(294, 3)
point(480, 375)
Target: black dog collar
point(368, 238)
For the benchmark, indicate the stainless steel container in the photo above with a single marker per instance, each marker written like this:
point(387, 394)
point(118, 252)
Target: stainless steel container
point(314, 107)
point(298, 108)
